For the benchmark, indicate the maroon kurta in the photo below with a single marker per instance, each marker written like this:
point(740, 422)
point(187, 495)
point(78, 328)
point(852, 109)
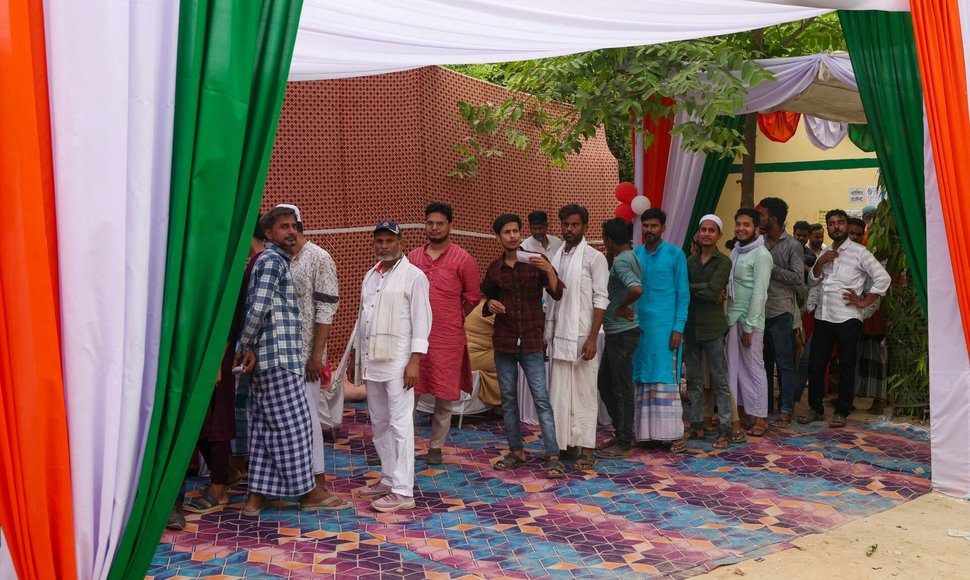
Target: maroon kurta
point(446, 369)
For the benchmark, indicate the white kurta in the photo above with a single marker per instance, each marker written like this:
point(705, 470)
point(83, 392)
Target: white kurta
point(572, 384)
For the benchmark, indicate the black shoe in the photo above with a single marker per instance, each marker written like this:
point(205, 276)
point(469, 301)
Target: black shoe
point(374, 461)
point(434, 457)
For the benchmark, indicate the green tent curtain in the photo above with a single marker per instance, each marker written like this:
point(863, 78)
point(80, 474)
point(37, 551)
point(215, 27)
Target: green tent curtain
point(883, 53)
point(713, 178)
point(233, 60)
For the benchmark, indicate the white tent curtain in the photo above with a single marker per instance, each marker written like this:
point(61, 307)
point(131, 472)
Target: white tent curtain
point(344, 39)
point(112, 91)
point(791, 77)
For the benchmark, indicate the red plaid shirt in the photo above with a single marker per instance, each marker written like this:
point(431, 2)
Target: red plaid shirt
point(519, 288)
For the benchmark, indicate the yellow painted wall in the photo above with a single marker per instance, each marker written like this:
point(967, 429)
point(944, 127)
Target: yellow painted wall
point(807, 192)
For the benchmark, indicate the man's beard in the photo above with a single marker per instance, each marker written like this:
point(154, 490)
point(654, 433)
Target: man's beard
point(388, 257)
point(439, 239)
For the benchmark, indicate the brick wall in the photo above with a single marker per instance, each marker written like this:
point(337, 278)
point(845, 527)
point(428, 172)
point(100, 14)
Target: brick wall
point(353, 152)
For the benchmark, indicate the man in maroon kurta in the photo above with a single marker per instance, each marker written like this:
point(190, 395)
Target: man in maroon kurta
point(453, 274)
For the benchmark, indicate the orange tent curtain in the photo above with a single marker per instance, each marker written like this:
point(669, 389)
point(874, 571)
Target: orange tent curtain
point(939, 47)
point(36, 510)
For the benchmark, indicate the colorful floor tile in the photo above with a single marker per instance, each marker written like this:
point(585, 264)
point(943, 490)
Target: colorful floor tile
point(651, 514)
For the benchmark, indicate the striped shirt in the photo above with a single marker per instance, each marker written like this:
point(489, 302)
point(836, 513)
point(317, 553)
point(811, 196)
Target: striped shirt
point(272, 326)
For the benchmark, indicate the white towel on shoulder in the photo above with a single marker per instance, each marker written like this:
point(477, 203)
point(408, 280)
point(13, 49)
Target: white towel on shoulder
point(562, 320)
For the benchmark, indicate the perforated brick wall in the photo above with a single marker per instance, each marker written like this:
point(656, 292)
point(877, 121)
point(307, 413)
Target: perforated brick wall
point(353, 152)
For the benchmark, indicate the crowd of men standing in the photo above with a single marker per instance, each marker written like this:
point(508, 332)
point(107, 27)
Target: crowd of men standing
point(658, 310)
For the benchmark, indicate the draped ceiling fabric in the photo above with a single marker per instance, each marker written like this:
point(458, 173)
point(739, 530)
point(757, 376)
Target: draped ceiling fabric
point(779, 126)
point(345, 39)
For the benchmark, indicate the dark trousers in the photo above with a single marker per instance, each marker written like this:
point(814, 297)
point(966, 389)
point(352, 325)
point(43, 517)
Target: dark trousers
point(828, 334)
point(779, 335)
point(615, 381)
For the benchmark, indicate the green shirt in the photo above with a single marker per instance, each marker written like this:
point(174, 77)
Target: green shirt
point(624, 273)
point(752, 273)
point(705, 316)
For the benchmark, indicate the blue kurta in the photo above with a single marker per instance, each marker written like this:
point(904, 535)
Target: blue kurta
point(662, 309)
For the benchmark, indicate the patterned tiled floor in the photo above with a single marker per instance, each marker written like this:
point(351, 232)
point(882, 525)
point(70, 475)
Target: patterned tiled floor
point(654, 513)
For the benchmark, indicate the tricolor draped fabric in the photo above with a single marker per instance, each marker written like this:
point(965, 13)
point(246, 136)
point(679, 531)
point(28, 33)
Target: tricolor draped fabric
point(132, 157)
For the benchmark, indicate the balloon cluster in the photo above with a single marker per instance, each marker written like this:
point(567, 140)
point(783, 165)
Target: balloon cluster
point(631, 204)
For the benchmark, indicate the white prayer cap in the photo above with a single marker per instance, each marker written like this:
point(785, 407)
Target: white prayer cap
point(295, 209)
point(711, 217)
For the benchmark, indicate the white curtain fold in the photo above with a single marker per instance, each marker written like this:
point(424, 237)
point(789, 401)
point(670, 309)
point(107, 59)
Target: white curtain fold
point(684, 171)
point(823, 133)
point(949, 362)
point(112, 88)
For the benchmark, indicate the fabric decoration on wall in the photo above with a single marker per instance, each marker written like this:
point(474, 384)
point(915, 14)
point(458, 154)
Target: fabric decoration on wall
point(823, 133)
point(861, 137)
point(779, 126)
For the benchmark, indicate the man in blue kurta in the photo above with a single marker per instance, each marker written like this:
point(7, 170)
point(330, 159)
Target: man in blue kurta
point(662, 311)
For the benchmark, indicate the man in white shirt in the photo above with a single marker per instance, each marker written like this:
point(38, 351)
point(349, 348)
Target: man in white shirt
point(572, 327)
point(841, 272)
point(540, 242)
point(391, 337)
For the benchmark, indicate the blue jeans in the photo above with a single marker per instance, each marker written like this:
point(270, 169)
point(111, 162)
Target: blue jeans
point(779, 330)
point(717, 365)
point(533, 364)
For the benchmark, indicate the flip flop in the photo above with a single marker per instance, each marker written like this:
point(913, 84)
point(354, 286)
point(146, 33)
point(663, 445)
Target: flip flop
point(509, 462)
point(722, 442)
point(585, 461)
point(739, 437)
point(780, 423)
point(204, 504)
point(679, 445)
point(555, 470)
point(758, 430)
point(259, 509)
point(330, 504)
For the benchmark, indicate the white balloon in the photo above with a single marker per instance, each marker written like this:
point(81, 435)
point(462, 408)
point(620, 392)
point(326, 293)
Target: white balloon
point(640, 204)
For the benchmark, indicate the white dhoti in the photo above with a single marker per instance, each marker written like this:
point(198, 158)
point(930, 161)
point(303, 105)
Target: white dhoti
point(316, 453)
point(746, 371)
point(574, 396)
point(391, 409)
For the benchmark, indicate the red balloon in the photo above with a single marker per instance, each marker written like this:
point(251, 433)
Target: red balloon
point(625, 192)
point(625, 212)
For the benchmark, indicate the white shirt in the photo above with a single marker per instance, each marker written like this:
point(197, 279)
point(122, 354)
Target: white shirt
point(531, 244)
point(413, 327)
point(850, 271)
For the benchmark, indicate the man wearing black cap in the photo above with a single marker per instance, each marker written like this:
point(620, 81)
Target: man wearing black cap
point(390, 338)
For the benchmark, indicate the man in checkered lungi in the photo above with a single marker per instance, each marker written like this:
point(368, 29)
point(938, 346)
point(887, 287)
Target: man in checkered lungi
point(279, 417)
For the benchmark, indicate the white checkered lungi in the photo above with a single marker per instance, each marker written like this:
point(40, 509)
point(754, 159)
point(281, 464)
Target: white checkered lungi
point(279, 434)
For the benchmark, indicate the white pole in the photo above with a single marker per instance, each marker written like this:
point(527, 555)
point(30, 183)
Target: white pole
point(638, 178)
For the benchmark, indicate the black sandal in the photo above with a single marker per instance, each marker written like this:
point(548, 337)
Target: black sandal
point(722, 442)
point(739, 437)
point(679, 445)
point(585, 461)
point(509, 462)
